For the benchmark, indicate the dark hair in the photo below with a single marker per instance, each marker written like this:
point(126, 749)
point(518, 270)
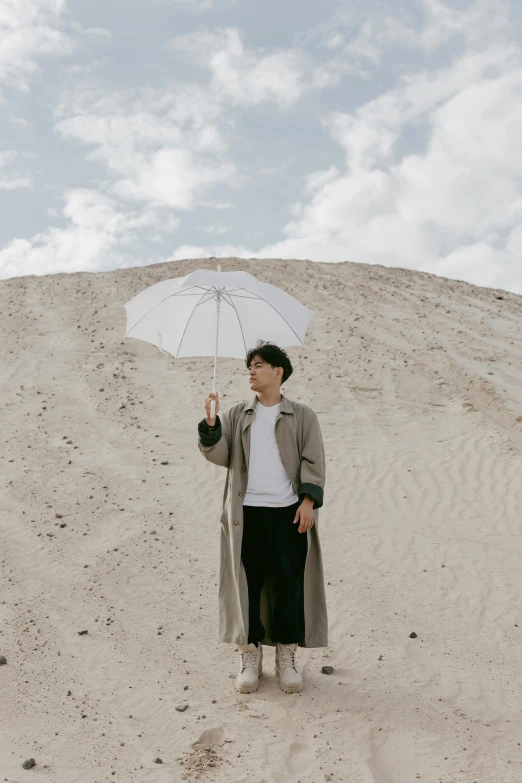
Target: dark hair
point(273, 355)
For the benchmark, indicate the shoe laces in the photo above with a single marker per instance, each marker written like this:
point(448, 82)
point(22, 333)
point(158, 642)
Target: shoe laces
point(287, 655)
point(249, 659)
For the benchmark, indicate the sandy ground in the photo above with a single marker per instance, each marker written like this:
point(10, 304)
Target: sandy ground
point(109, 539)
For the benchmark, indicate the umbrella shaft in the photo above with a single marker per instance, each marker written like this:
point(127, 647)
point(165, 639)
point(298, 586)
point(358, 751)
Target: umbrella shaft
point(218, 304)
point(213, 404)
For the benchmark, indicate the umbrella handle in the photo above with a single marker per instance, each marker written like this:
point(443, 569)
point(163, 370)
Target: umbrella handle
point(212, 409)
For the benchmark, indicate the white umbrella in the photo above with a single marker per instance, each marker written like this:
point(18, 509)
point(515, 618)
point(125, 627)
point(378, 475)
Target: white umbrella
point(183, 316)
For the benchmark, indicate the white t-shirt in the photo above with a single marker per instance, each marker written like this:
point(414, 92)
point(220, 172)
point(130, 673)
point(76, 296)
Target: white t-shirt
point(268, 481)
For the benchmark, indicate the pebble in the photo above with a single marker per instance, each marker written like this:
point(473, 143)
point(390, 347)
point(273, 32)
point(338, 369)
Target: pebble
point(3, 660)
point(413, 635)
point(181, 707)
point(29, 763)
point(158, 761)
point(327, 670)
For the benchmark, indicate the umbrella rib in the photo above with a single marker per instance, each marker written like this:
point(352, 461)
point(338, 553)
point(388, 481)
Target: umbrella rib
point(273, 308)
point(246, 297)
point(188, 321)
point(206, 290)
point(156, 305)
point(240, 324)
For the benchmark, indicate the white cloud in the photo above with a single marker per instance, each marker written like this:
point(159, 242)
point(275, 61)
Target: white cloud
point(163, 146)
point(199, 5)
point(87, 69)
point(95, 32)
point(17, 121)
point(11, 181)
point(97, 230)
point(247, 78)
point(361, 45)
point(172, 177)
point(451, 210)
point(318, 179)
point(480, 23)
point(369, 135)
point(29, 31)
point(373, 30)
point(218, 229)
point(219, 205)
point(16, 183)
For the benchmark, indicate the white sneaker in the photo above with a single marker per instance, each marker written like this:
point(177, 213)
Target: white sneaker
point(290, 681)
point(251, 662)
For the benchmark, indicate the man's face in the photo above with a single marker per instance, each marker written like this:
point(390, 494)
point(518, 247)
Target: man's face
point(263, 376)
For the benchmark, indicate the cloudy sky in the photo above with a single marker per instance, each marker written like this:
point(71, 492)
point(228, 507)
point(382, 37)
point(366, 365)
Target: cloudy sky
point(378, 131)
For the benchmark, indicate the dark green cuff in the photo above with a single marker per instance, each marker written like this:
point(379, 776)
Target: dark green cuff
point(315, 492)
point(206, 437)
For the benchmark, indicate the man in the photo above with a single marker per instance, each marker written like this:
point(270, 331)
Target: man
point(271, 587)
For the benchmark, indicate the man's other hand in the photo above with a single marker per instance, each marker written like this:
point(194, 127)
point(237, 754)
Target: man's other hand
point(305, 515)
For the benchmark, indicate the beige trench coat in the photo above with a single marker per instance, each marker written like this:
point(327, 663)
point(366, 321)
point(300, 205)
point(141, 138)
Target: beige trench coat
point(300, 442)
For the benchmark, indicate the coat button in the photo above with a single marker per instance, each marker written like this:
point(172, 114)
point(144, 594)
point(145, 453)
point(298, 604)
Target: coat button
point(244, 470)
point(240, 494)
point(236, 522)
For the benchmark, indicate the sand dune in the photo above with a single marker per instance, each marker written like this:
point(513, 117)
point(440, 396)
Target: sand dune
point(110, 526)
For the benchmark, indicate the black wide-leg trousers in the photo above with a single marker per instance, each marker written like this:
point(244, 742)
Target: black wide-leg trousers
point(272, 545)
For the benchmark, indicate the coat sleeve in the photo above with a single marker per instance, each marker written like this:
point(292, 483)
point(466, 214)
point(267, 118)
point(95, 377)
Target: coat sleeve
point(216, 447)
point(313, 467)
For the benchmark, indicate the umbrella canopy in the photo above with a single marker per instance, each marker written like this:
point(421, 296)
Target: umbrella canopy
point(209, 313)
